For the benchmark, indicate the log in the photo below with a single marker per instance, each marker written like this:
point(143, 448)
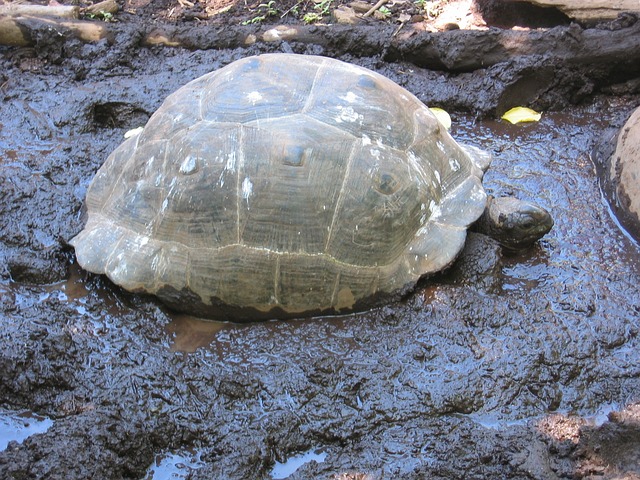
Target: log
point(221, 38)
point(475, 49)
point(25, 10)
point(364, 40)
point(19, 31)
point(106, 6)
point(12, 34)
point(589, 11)
point(478, 49)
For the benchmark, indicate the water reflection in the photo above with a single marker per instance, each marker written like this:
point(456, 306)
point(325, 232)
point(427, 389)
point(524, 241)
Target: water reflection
point(190, 333)
point(288, 467)
point(167, 466)
point(18, 425)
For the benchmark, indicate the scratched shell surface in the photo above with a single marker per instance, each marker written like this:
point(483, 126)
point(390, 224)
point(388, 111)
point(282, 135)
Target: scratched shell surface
point(286, 182)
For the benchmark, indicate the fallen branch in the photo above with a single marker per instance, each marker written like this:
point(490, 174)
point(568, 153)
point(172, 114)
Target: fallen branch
point(477, 49)
point(12, 34)
point(106, 6)
point(588, 11)
point(220, 38)
point(374, 8)
point(25, 10)
point(20, 31)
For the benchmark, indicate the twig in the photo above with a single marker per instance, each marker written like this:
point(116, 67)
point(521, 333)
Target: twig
point(289, 10)
point(374, 8)
point(397, 30)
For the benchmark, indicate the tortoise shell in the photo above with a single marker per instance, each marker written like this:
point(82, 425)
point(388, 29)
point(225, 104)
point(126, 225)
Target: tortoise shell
point(282, 185)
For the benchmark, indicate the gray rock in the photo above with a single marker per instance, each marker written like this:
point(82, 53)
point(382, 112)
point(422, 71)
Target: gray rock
point(622, 175)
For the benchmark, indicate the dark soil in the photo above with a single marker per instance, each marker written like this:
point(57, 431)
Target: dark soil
point(510, 366)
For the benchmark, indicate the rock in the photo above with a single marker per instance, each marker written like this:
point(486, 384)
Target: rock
point(360, 7)
point(589, 11)
point(346, 15)
point(623, 174)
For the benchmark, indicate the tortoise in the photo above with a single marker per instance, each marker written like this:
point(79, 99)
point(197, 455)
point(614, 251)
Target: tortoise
point(287, 185)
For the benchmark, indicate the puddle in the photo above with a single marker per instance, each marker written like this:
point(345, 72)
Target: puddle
point(487, 420)
point(283, 470)
point(73, 291)
point(601, 416)
point(18, 425)
point(167, 466)
point(566, 321)
point(190, 333)
point(493, 422)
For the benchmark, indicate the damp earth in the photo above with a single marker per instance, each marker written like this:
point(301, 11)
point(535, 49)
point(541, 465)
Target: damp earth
point(509, 365)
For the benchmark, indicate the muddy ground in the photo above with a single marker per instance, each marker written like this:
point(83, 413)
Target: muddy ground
point(509, 366)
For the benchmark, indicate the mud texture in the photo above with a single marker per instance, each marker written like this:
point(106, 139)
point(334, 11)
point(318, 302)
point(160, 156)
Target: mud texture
point(510, 366)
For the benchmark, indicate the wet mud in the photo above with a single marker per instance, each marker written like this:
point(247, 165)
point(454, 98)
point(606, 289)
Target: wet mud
point(511, 366)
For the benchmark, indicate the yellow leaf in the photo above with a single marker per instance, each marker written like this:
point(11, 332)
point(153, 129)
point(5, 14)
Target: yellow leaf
point(132, 132)
point(442, 116)
point(521, 114)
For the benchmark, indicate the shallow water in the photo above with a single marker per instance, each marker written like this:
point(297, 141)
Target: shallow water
point(170, 466)
point(539, 159)
point(292, 464)
point(423, 383)
point(20, 424)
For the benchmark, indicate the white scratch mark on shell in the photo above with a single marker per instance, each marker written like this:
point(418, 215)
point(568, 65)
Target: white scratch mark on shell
point(231, 162)
point(436, 211)
point(424, 214)
point(347, 114)
point(254, 97)
point(148, 167)
point(189, 165)
point(163, 208)
point(247, 190)
point(477, 194)
point(121, 268)
point(154, 264)
point(417, 167)
point(454, 164)
point(350, 97)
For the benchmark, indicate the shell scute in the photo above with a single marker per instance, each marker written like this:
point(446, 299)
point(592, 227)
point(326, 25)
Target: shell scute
point(252, 90)
point(363, 102)
point(291, 201)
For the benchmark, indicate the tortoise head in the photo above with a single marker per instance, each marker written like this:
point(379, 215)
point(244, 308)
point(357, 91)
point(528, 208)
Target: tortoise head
point(514, 223)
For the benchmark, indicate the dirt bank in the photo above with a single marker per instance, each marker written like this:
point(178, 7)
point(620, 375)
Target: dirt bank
point(528, 370)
